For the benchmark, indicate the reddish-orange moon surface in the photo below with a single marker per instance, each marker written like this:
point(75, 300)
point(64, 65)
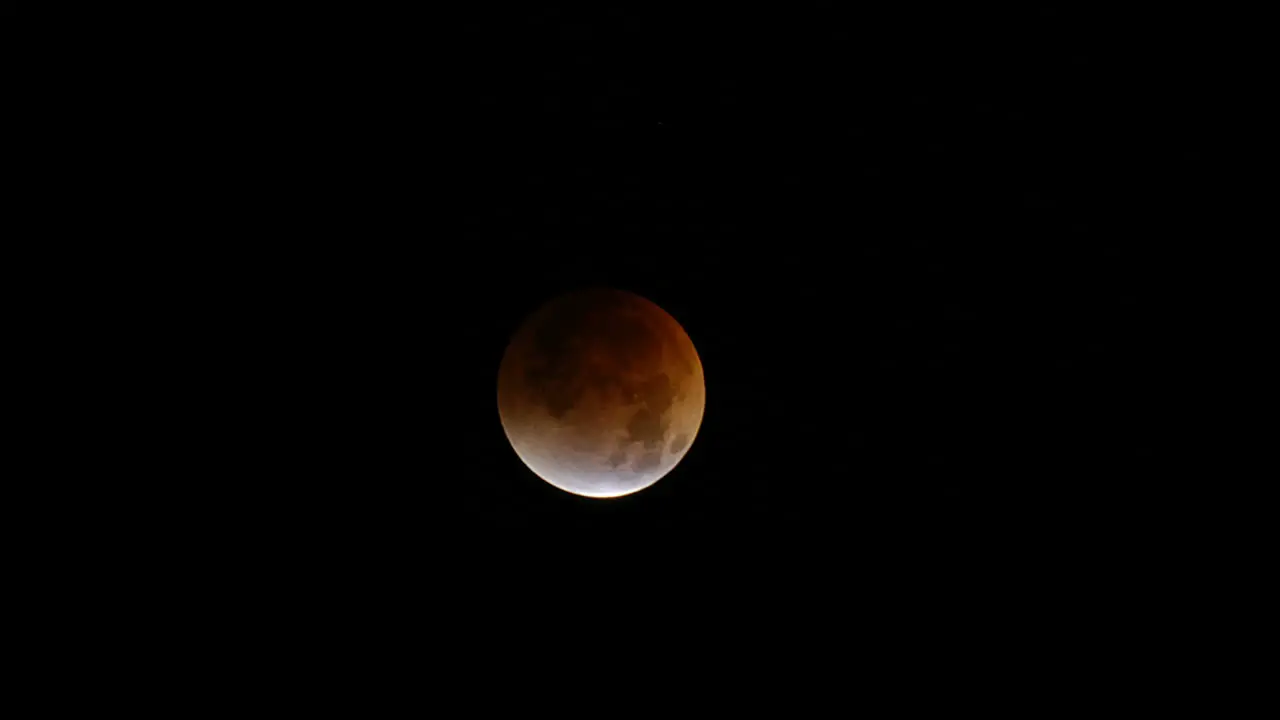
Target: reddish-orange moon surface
point(601, 393)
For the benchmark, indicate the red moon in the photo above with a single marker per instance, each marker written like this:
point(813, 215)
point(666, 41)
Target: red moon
point(601, 393)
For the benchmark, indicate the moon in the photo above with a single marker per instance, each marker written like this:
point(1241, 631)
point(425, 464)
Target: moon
point(601, 393)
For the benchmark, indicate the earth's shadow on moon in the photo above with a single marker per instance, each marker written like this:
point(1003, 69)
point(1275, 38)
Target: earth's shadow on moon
point(601, 392)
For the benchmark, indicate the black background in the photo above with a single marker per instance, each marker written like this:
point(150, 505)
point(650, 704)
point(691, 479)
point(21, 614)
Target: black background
point(892, 240)
point(894, 237)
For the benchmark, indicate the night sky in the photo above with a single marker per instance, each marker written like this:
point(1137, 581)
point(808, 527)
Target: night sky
point(889, 236)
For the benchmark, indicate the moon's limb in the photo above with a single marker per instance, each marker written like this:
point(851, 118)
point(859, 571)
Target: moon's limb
point(601, 393)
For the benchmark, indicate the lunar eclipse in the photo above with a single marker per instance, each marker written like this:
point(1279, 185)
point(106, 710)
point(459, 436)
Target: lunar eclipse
point(601, 393)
